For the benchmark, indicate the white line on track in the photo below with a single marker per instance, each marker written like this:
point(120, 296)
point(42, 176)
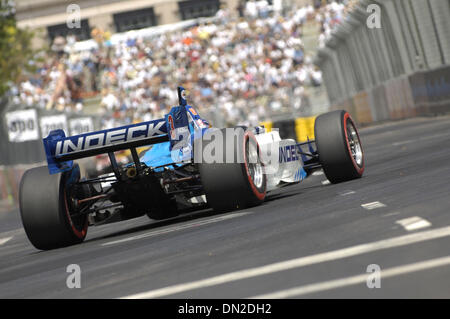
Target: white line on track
point(358, 279)
point(423, 138)
point(346, 193)
point(176, 228)
point(373, 205)
point(327, 182)
point(413, 223)
point(317, 173)
point(391, 214)
point(296, 263)
point(5, 240)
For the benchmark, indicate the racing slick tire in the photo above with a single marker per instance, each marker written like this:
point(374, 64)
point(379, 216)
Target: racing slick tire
point(238, 183)
point(339, 146)
point(44, 201)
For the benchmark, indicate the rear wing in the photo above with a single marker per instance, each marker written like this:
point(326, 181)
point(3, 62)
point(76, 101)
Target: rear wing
point(61, 150)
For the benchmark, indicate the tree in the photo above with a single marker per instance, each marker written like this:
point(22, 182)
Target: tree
point(16, 52)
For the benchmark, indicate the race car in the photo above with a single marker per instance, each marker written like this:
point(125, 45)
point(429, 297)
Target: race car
point(189, 165)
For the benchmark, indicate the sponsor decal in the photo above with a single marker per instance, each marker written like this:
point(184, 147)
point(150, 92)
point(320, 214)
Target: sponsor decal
point(289, 153)
point(110, 137)
point(172, 127)
point(191, 109)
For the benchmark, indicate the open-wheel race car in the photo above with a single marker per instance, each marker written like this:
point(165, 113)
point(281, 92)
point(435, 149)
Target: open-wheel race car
point(189, 165)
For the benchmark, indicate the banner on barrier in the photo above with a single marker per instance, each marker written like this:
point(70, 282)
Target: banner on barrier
point(53, 122)
point(438, 84)
point(81, 125)
point(22, 126)
point(418, 89)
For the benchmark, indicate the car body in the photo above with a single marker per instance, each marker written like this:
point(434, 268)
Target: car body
point(175, 174)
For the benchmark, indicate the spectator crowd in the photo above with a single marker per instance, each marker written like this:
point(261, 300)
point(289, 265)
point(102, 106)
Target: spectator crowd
point(241, 67)
point(330, 16)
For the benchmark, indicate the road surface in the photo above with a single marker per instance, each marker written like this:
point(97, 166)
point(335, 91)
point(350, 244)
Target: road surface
point(311, 240)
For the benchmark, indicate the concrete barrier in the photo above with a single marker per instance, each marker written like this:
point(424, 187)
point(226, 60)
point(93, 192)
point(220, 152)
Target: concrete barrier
point(300, 129)
point(408, 106)
point(362, 110)
point(419, 92)
point(404, 70)
point(379, 104)
point(304, 128)
point(399, 99)
point(437, 83)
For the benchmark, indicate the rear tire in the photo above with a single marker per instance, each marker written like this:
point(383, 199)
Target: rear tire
point(44, 207)
point(236, 185)
point(339, 146)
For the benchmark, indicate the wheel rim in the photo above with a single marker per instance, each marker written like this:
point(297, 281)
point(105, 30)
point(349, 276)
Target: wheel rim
point(254, 165)
point(354, 143)
point(77, 223)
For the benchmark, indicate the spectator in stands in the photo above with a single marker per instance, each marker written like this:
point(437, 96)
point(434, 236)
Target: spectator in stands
point(244, 69)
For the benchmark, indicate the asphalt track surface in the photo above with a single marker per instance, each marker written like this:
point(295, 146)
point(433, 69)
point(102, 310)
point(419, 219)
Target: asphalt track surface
point(311, 240)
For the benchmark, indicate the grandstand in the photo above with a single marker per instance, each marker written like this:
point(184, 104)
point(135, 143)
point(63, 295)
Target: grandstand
point(250, 62)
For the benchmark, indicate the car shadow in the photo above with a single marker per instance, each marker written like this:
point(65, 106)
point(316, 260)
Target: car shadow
point(194, 214)
point(276, 197)
point(152, 224)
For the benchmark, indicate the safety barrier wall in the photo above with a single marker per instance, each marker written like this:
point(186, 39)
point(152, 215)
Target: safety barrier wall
point(431, 90)
point(22, 130)
point(399, 70)
point(21, 147)
point(300, 129)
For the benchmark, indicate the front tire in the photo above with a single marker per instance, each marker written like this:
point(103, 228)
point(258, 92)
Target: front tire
point(45, 209)
point(339, 146)
point(236, 185)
